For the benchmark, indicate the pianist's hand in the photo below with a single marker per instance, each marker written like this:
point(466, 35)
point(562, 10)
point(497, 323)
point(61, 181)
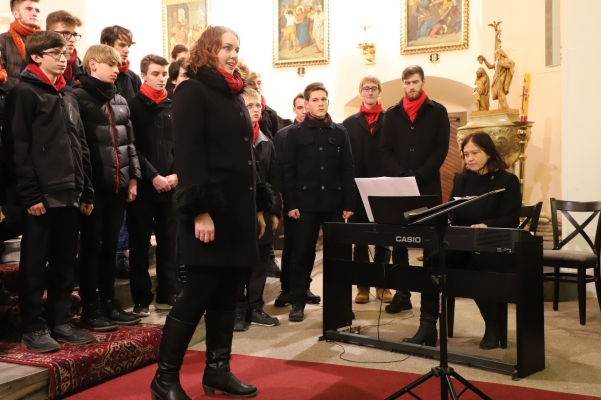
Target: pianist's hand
point(479, 226)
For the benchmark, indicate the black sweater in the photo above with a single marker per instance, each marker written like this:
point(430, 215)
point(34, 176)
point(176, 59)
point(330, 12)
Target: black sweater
point(501, 210)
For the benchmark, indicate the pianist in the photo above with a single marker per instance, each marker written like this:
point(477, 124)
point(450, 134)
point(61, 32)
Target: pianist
point(485, 170)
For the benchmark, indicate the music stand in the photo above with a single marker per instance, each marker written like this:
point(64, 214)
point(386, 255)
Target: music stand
point(442, 371)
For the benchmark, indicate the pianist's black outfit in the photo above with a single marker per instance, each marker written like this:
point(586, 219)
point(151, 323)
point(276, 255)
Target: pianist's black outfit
point(501, 210)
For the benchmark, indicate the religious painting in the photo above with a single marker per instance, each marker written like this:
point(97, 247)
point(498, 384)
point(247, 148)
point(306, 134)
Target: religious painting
point(301, 32)
point(183, 22)
point(430, 26)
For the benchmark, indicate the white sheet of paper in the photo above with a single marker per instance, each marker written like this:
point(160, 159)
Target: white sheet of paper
point(385, 187)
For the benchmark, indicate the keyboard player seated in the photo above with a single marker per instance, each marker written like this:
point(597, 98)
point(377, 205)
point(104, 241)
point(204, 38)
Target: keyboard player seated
point(485, 170)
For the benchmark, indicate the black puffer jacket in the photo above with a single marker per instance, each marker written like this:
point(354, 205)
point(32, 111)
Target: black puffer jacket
point(109, 135)
point(11, 58)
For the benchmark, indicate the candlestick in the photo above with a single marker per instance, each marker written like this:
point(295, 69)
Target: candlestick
point(525, 97)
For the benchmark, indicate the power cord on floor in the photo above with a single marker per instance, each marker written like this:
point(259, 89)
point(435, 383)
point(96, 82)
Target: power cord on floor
point(364, 362)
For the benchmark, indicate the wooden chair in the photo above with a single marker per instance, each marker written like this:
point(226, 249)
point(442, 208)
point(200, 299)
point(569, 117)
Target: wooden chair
point(574, 259)
point(531, 215)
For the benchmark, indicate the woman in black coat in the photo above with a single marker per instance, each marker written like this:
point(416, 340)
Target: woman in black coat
point(216, 201)
point(485, 170)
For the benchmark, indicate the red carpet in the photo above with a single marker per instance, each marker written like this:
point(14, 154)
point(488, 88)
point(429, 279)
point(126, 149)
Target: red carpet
point(74, 368)
point(298, 380)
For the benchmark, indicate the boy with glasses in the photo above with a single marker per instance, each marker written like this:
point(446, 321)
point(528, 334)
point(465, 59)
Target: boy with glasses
point(66, 24)
point(46, 148)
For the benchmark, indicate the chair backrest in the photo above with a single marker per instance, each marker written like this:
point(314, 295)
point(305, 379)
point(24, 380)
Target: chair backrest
point(567, 208)
point(531, 215)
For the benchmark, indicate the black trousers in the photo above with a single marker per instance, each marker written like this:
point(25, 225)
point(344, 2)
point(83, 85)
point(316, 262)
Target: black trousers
point(361, 253)
point(211, 289)
point(254, 281)
point(303, 251)
point(289, 229)
point(13, 224)
point(98, 246)
point(50, 238)
point(140, 216)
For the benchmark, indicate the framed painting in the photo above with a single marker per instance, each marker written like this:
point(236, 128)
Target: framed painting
point(301, 32)
point(429, 26)
point(183, 22)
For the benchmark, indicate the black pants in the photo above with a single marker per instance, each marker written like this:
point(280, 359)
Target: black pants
point(13, 224)
point(98, 246)
point(303, 251)
point(289, 229)
point(50, 238)
point(207, 289)
point(140, 216)
point(254, 281)
point(361, 253)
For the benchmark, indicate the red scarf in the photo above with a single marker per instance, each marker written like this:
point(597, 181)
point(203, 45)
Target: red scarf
point(324, 121)
point(298, 120)
point(124, 67)
point(255, 132)
point(371, 114)
point(263, 107)
point(235, 83)
point(17, 31)
point(155, 95)
point(69, 70)
point(60, 81)
point(412, 107)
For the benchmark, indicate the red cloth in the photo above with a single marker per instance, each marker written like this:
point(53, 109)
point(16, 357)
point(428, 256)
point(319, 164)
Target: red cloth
point(255, 132)
point(325, 121)
point(155, 95)
point(17, 30)
point(235, 83)
point(3, 75)
point(371, 114)
point(298, 120)
point(412, 107)
point(69, 70)
point(60, 80)
point(124, 67)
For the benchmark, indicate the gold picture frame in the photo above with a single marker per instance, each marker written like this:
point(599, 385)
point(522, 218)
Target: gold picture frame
point(433, 26)
point(301, 20)
point(183, 22)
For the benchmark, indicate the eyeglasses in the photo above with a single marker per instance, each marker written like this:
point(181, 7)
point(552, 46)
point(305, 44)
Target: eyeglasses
point(368, 89)
point(68, 35)
point(55, 54)
point(251, 106)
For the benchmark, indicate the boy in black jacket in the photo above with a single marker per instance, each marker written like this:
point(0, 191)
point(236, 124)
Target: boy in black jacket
point(47, 148)
point(153, 129)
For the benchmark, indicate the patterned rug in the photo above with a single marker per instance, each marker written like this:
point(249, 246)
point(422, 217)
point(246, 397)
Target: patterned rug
point(74, 368)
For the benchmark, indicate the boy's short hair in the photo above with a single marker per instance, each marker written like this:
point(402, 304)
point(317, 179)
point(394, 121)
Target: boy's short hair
point(41, 41)
point(251, 94)
point(314, 87)
point(110, 34)
point(371, 79)
point(298, 96)
point(174, 68)
point(178, 48)
point(412, 70)
point(16, 3)
point(100, 53)
point(62, 16)
point(152, 59)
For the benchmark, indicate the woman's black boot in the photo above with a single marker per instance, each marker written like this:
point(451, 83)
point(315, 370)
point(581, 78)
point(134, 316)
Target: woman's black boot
point(217, 376)
point(490, 314)
point(427, 333)
point(176, 337)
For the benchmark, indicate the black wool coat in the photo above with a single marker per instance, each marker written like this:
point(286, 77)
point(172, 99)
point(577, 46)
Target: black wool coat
point(215, 165)
point(416, 148)
point(267, 172)
point(318, 168)
point(128, 84)
point(269, 123)
point(110, 137)
point(153, 131)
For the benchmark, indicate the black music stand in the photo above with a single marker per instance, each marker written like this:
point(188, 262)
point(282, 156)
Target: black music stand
point(442, 371)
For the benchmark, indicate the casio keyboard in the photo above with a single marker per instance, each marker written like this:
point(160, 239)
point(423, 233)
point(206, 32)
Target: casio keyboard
point(506, 267)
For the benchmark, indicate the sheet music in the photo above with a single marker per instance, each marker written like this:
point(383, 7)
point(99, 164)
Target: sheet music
point(385, 186)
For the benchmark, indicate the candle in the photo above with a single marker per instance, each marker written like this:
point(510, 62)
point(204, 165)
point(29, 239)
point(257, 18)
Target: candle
point(525, 97)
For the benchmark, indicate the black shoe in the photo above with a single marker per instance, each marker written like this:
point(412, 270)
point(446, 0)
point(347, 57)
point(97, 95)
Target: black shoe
point(112, 309)
point(400, 302)
point(40, 341)
point(218, 376)
point(167, 302)
point(260, 317)
point(122, 268)
point(273, 269)
point(6, 299)
point(141, 311)
point(297, 314)
point(312, 298)
point(427, 333)
point(491, 339)
point(240, 324)
point(93, 318)
point(67, 333)
point(283, 300)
